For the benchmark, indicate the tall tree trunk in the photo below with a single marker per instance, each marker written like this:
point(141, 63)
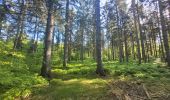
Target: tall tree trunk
point(112, 49)
point(147, 51)
point(46, 64)
point(126, 46)
point(2, 13)
point(133, 47)
point(33, 41)
point(0, 27)
point(94, 43)
point(160, 37)
point(164, 33)
point(153, 36)
point(150, 46)
point(136, 31)
point(119, 36)
point(99, 69)
point(65, 59)
point(69, 43)
point(17, 41)
point(141, 36)
point(82, 41)
point(53, 40)
point(58, 39)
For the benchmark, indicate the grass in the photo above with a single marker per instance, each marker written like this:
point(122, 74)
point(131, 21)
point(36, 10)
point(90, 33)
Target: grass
point(73, 89)
point(79, 81)
point(20, 78)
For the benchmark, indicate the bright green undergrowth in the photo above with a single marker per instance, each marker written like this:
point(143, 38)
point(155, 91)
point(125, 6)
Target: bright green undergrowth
point(20, 78)
point(16, 76)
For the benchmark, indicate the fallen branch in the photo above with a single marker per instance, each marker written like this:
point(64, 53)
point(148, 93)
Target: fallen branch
point(146, 92)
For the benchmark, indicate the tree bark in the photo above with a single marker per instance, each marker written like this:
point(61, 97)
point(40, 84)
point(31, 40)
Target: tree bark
point(136, 31)
point(133, 47)
point(160, 37)
point(99, 69)
point(141, 37)
point(119, 36)
point(164, 33)
point(126, 45)
point(82, 41)
point(46, 64)
point(20, 23)
point(65, 59)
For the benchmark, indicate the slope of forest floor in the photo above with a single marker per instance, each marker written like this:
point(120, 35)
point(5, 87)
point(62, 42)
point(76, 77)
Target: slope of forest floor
point(20, 79)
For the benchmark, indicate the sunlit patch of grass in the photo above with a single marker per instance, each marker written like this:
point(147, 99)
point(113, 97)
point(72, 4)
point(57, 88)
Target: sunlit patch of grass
point(18, 55)
point(74, 89)
point(75, 65)
point(5, 63)
point(140, 74)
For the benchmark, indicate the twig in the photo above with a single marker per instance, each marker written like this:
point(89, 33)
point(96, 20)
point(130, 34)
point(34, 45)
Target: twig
point(146, 92)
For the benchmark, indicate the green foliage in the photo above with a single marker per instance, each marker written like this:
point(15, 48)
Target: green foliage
point(17, 80)
point(19, 75)
point(142, 71)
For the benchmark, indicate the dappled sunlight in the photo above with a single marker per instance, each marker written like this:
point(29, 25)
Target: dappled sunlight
point(123, 78)
point(84, 50)
point(3, 52)
point(5, 63)
point(18, 55)
point(75, 65)
point(20, 78)
point(140, 74)
point(74, 88)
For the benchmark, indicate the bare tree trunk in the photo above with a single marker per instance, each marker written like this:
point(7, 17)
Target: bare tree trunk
point(82, 41)
point(2, 14)
point(119, 36)
point(136, 31)
point(94, 43)
point(69, 43)
point(33, 41)
point(133, 47)
point(46, 64)
point(160, 37)
point(126, 46)
point(164, 33)
point(0, 26)
point(99, 69)
point(141, 37)
point(113, 49)
point(150, 46)
point(53, 42)
point(17, 41)
point(65, 59)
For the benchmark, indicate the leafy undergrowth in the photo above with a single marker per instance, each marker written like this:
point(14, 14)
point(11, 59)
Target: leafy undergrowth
point(20, 80)
point(16, 78)
point(79, 81)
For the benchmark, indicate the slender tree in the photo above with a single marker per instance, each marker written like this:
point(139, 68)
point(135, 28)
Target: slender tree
point(141, 34)
point(46, 64)
point(65, 59)
point(164, 33)
point(136, 31)
point(99, 69)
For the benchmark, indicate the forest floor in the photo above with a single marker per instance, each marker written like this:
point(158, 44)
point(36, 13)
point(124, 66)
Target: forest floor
point(20, 79)
point(123, 82)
